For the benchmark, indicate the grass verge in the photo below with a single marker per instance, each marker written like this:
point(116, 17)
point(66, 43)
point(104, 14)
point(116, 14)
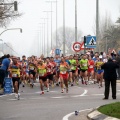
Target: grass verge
point(112, 110)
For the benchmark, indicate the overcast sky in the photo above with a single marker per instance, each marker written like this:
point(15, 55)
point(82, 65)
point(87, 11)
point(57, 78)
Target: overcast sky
point(28, 42)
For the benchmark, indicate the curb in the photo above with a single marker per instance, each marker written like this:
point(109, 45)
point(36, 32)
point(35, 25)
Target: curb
point(96, 115)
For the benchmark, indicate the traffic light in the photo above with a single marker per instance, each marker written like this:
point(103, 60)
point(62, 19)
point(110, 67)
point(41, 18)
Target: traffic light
point(15, 5)
point(85, 41)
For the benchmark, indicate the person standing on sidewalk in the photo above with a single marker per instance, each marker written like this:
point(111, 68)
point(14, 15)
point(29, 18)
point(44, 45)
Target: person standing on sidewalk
point(4, 69)
point(110, 76)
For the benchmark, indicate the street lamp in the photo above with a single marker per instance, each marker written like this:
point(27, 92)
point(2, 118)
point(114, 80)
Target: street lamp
point(51, 20)
point(11, 29)
point(2, 44)
point(47, 32)
point(63, 27)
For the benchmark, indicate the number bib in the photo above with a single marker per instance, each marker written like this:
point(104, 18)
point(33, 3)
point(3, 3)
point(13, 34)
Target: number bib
point(91, 66)
point(32, 68)
point(63, 72)
point(41, 74)
point(14, 75)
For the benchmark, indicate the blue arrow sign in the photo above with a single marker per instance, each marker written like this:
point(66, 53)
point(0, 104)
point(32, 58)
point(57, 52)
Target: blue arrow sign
point(91, 41)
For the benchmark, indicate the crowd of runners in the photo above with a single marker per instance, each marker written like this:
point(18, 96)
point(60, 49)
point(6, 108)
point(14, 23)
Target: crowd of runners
point(60, 71)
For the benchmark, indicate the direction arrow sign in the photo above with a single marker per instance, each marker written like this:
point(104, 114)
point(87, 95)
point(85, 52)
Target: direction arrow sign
point(77, 47)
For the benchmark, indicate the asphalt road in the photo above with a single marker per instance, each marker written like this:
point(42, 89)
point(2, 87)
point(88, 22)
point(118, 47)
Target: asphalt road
point(53, 105)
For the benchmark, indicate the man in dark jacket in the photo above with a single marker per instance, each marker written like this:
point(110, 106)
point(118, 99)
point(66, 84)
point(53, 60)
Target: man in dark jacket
point(110, 76)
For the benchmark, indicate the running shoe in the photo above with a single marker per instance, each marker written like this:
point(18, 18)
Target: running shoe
point(42, 93)
point(66, 90)
point(82, 82)
point(18, 96)
point(52, 85)
point(48, 90)
point(62, 91)
point(85, 82)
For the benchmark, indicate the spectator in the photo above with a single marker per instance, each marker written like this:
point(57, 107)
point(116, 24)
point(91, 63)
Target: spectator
point(3, 69)
point(110, 76)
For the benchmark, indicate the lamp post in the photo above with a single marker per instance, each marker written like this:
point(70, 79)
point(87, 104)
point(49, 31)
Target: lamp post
point(11, 29)
point(45, 48)
point(97, 23)
point(75, 20)
point(2, 45)
point(63, 27)
point(51, 20)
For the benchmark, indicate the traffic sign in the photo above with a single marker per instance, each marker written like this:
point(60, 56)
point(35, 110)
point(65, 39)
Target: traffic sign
point(91, 41)
point(57, 51)
point(77, 47)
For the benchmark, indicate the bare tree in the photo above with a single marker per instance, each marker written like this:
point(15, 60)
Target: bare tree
point(7, 13)
point(69, 35)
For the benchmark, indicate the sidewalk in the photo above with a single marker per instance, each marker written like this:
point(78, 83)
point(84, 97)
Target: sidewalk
point(81, 116)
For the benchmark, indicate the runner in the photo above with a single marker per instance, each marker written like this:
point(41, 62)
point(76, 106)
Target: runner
point(50, 71)
point(98, 64)
point(15, 74)
point(91, 69)
point(32, 72)
point(42, 72)
point(72, 69)
point(64, 74)
point(25, 71)
point(84, 67)
point(57, 61)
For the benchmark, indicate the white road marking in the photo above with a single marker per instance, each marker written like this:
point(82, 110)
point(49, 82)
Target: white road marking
point(68, 115)
point(6, 95)
point(46, 91)
point(97, 94)
point(37, 98)
point(17, 99)
point(59, 97)
point(84, 94)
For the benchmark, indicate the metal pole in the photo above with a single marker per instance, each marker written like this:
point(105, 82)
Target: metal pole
point(51, 26)
point(75, 20)
point(56, 24)
point(47, 32)
point(63, 27)
point(106, 45)
point(97, 23)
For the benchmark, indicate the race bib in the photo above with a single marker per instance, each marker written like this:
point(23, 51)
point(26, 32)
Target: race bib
point(72, 67)
point(41, 74)
point(91, 66)
point(48, 70)
point(84, 65)
point(32, 68)
point(14, 75)
point(63, 72)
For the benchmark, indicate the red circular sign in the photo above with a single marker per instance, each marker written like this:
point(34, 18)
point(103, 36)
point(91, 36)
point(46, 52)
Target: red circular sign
point(77, 47)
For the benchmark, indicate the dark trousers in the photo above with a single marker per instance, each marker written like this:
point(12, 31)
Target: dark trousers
point(2, 77)
point(107, 88)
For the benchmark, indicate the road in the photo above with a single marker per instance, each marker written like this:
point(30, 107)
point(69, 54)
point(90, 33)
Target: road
point(53, 105)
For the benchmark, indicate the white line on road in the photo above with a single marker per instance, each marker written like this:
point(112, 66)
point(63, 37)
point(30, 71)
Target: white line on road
point(85, 92)
point(97, 94)
point(16, 99)
point(68, 115)
point(59, 97)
